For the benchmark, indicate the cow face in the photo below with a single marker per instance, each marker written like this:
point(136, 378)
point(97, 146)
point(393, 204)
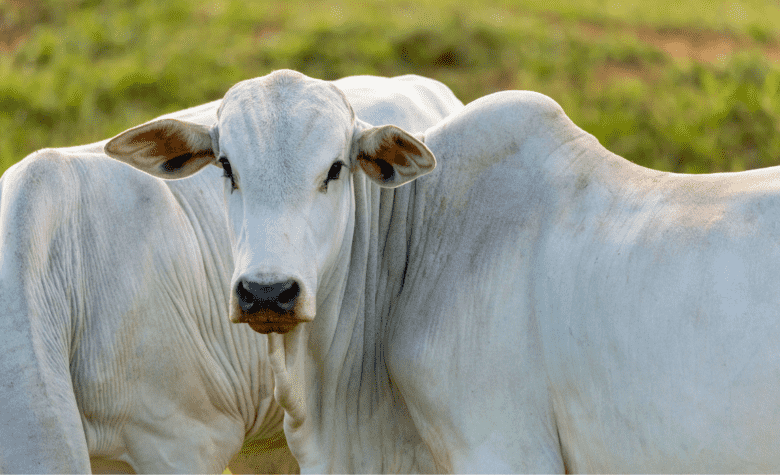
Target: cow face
point(289, 147)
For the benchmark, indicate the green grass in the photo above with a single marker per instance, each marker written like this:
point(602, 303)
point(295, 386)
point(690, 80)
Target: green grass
point(73, 71)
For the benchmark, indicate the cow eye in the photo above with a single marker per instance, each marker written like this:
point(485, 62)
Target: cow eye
point(227, 171)
point(333, 174)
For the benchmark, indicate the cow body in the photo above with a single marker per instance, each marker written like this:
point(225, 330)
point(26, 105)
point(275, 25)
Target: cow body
point(631, 310)
point(118, 349)
point(536, 304)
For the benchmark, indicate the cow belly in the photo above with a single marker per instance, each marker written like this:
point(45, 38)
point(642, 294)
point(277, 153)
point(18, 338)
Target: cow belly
point(663, 354)
point(621, 422)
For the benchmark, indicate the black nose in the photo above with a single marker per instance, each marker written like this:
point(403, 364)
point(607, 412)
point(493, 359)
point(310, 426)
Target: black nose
point(279, 297)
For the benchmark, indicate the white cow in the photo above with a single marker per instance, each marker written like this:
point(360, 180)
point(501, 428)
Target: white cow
point(114, 347)
point(116, 344)
point(537, 304)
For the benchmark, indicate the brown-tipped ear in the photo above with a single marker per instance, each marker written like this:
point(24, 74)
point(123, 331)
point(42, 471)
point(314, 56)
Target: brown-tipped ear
point(391, 156)
point(165, 148)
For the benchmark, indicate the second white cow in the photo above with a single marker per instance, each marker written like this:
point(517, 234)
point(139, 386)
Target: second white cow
point(115, 356)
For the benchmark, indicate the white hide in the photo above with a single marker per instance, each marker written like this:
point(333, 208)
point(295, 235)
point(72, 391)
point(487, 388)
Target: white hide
point(608, 318)
point(633, 312)
point(536, 304)
point(117, 346)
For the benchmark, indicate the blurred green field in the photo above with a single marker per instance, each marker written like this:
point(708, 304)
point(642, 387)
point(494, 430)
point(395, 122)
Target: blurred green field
point(686, 86)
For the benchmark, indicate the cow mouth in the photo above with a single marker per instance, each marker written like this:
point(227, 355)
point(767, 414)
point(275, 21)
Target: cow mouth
point(272, 327)
point(269, 321)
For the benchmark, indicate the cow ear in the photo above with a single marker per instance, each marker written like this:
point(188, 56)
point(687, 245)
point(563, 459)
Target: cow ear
point(391, 157)
point(165, 148)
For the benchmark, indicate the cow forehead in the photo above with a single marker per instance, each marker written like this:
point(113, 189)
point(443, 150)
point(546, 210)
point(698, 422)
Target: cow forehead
point(286, 117)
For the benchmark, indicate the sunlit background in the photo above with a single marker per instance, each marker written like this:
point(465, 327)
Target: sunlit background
point(677, 85)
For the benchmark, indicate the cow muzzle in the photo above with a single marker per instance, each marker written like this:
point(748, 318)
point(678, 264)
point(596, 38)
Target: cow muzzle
point(270, 306)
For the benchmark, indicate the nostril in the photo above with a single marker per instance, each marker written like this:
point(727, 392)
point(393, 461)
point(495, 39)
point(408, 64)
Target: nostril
point(279, 297)
point(288, 293)
point(245, 297)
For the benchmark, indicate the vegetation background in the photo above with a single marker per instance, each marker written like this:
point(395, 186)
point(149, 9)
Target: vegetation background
point(676, 85)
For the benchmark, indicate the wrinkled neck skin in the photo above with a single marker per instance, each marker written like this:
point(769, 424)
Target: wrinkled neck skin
point(243, 390)
point(342, 411)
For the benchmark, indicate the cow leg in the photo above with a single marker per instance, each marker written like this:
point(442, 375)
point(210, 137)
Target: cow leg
point(486, 459)
point(479, 431)
point(479, 409)
point(40, 426)
point(527, 448)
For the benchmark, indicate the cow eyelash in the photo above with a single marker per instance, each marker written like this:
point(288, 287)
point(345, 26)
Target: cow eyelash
point(333, 174)
point(227, 171)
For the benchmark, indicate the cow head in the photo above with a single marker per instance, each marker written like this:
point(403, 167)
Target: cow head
point(289, 146)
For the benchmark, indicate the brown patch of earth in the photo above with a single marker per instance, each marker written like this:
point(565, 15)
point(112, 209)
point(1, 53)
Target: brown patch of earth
point(702, 45)
point(268, 33)
point(705, 46)
point(612, 70)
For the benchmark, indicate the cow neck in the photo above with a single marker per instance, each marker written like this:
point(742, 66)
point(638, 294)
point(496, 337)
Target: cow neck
point(342, 411)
